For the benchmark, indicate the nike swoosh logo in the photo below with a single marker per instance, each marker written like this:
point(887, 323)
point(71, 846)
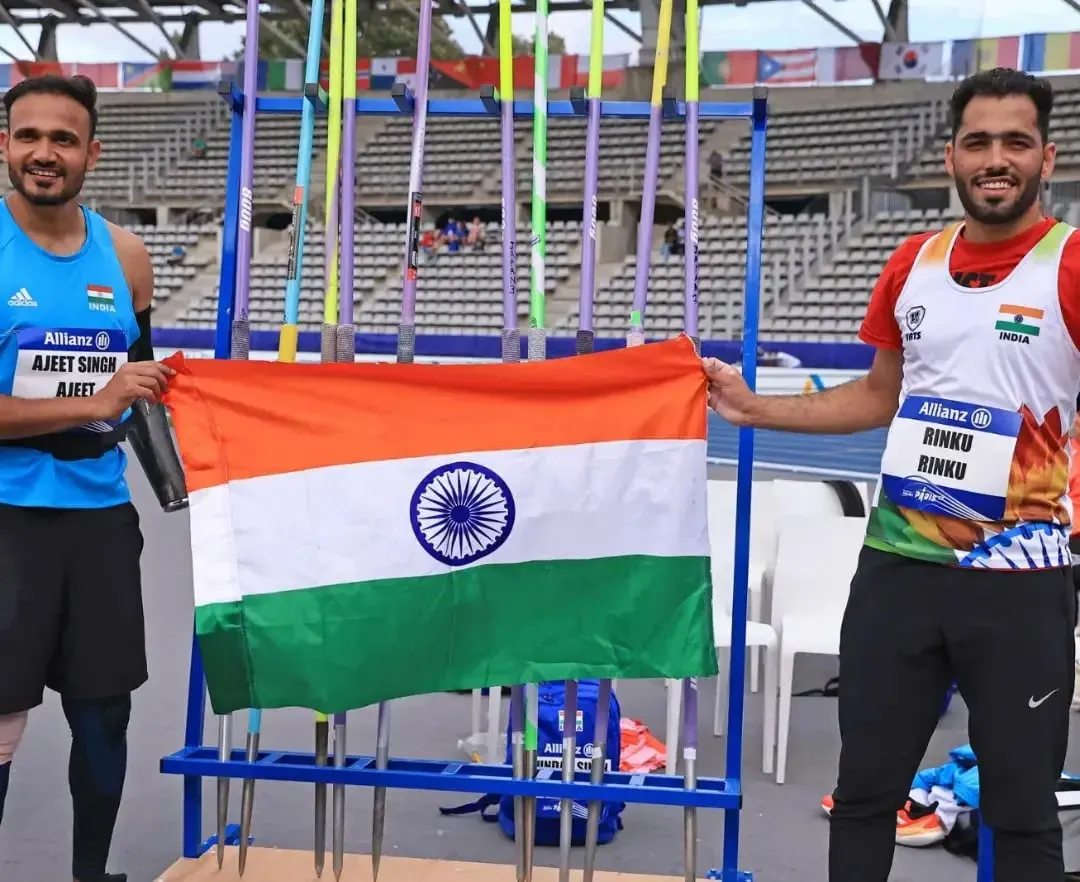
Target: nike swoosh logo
point(1032, 703)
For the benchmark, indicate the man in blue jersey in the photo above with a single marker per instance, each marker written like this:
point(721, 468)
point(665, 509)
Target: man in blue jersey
point(77, 376)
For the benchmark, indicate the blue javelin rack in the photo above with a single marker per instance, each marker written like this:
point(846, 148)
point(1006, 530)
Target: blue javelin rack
point(196, 761)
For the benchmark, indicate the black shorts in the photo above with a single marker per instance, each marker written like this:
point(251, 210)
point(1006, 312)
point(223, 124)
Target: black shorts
point(71, 613)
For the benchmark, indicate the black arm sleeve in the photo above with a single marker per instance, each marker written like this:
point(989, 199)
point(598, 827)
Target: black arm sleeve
point(149, 435)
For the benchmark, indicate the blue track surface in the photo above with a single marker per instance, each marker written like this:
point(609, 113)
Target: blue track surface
point(858, 456)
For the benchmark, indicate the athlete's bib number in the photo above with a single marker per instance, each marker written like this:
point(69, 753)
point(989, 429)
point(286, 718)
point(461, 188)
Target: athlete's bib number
point(950, 458)
point(67, 362)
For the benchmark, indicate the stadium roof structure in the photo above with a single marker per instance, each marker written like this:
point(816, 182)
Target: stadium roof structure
point(51, 14)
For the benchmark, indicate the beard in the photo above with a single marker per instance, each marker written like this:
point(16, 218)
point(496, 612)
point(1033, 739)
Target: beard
point(69, 186)
point(997, 213)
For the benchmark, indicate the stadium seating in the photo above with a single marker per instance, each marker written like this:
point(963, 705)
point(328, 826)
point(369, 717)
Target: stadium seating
point(462, 156)
point(830, 308)
point(457, 293)
point(823, 145)
point(817, 274)
point(721, 275)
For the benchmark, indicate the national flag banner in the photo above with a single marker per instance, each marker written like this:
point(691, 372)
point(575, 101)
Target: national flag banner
point(1019, 319)
point(793, 66)
point(1051, 52)
point(613, 73)
point(911, 61)
point(736, 68)
point(195, 74)
point(100, 295)
point(384, 73)
point(145, 75)
point(997, 52)
point(106, 75)
point(365, 532)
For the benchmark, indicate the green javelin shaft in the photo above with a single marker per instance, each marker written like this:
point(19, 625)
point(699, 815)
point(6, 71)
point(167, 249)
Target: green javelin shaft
point(537, 346)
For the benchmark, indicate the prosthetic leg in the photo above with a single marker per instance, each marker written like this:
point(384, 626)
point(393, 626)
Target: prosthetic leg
point(149, 435)
point(11, 731)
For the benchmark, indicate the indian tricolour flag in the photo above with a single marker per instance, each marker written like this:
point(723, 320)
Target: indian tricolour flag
point(101, 295)
point(363, 532)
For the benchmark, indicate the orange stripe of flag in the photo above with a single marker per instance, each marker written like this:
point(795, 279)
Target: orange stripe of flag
point(1028, 311)
point(247, 419)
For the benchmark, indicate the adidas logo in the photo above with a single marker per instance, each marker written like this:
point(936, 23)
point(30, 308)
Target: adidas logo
point(21, 298)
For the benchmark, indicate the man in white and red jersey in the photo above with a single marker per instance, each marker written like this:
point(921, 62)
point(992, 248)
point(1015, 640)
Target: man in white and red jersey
point(966, 569)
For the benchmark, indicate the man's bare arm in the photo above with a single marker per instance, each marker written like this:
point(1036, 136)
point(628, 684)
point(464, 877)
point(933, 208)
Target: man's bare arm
point(868, 402)
point(137, 265)
point(27, 417)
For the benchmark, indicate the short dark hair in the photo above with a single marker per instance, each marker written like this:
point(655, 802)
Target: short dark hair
point(77, 88)
point(1002, 82)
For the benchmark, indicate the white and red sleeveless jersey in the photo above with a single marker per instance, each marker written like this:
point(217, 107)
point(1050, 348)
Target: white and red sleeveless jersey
point(976, 467)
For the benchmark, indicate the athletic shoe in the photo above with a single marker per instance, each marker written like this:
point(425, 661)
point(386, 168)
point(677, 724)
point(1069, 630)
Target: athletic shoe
point(918, 825)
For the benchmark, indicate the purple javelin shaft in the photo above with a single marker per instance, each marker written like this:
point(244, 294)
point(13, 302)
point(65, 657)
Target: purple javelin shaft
point(588, 247)
point(247, 161)
point(509, 224)
point(416, 171)
point(690, 231)
point(648, 210)
point(690, 713)
point(346, 296)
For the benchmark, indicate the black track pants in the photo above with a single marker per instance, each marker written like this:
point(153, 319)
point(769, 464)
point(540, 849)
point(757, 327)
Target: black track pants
point(910, 628)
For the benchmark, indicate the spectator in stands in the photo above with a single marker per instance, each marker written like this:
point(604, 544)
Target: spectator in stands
point(430, 240)
point(475, 238)
point(673, 240)
point(966, 570)
point(198, 147)
point(452, 235)
point(176, 256)
point(716, 164)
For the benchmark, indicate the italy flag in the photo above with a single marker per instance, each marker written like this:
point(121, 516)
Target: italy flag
point(363, 532)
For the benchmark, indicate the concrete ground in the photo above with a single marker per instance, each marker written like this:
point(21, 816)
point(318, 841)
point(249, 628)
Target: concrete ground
point(783, 832)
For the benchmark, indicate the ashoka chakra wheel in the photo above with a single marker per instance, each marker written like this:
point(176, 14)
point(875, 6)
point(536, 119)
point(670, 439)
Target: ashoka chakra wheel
point(461, 512)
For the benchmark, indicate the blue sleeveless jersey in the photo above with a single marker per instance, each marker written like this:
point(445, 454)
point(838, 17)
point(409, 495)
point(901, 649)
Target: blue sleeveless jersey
point(66, 324)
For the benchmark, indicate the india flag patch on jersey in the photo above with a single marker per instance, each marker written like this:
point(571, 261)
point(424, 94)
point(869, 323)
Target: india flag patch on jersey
point(100, 297)
point(1019, 319)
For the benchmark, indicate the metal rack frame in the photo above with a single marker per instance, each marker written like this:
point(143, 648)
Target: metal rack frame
point(196, 761)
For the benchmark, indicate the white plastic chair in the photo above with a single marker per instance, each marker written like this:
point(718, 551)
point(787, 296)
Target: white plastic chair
point(721, 502)
point(816, 559)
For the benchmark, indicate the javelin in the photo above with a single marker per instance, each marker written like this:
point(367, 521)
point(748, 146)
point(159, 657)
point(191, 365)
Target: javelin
point(511, 353)
point(346, 331)
point(636, 333)
point(406, 351)
point(585, 344)
point(290, 328)
point(241, 349)
point(328, 341)
point(690, 322)
point(537, 351)
point(328, 347)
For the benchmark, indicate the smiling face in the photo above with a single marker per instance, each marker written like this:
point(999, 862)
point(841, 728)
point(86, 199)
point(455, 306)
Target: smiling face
point(998, 159)
point(48, 148)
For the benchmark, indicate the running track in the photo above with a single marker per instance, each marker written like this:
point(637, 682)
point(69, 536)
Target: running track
point(853, 456)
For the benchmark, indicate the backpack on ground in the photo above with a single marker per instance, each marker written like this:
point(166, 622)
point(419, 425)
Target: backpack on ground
point(549, 755)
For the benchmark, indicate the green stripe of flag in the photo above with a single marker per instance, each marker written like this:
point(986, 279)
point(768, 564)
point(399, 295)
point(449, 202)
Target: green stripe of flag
point(339, 646)
point(1018, 328)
